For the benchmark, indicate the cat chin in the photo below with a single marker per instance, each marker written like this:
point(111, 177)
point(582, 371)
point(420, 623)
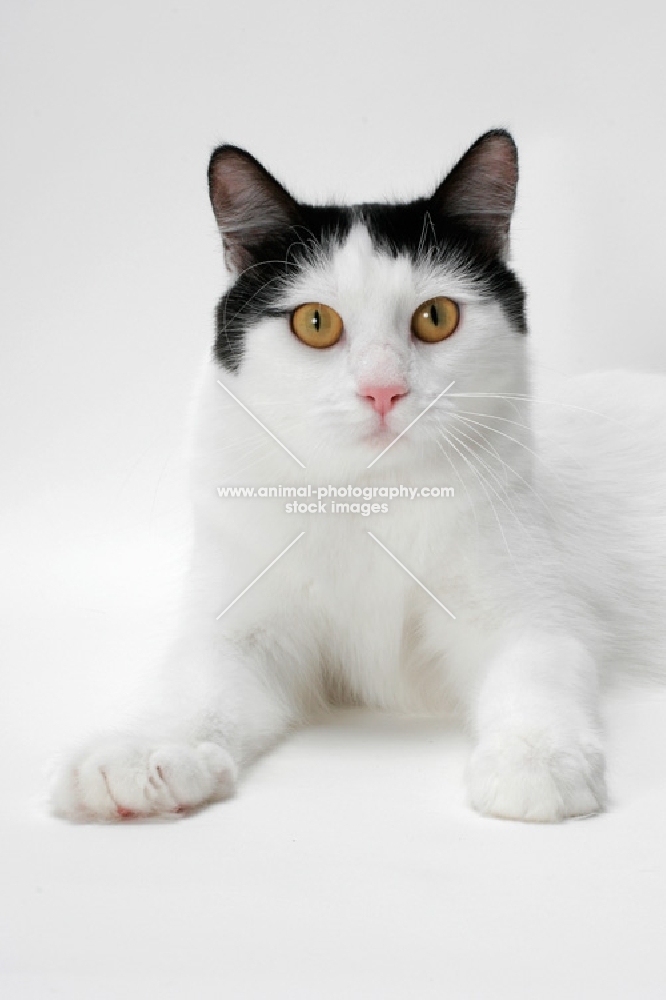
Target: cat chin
point(359, 444)
point(379, 436)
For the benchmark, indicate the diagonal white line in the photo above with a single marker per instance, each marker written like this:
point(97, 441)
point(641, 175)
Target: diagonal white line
point(410, 425)
point(263, 426)
point(402, 566)
point(259, 577)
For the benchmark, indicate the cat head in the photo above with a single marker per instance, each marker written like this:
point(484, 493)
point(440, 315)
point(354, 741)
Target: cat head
point(343, 323)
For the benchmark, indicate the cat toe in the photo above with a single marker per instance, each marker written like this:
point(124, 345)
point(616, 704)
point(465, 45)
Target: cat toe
point(120, 780)
point(536, 778)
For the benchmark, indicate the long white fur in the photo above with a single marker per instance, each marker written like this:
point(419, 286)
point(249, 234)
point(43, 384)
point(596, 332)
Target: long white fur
point(549, 555)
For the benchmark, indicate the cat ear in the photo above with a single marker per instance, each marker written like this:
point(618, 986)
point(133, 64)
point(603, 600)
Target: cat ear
point(249, 204)
point(480, 192)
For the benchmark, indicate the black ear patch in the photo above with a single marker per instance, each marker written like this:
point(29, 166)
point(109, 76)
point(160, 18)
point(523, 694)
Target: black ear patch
point(267, 237)
point(479, 194)
point(250, 206)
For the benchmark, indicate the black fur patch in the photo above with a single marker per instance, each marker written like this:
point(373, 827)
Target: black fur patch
point(259, 286)
point(413, 228)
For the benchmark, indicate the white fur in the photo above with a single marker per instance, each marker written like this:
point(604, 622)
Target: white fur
point(549, 555)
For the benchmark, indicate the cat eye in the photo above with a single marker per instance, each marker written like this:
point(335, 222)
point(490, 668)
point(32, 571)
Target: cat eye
point(435, 319)
point(316, 325)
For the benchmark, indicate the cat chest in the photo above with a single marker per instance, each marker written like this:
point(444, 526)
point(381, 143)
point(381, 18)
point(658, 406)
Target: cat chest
point(367, 595)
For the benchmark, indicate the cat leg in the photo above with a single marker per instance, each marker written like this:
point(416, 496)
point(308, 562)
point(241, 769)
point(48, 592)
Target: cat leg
point(222, 708)
point(538, 754)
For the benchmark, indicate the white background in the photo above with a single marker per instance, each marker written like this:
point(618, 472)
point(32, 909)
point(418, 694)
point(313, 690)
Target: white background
point(349, 864)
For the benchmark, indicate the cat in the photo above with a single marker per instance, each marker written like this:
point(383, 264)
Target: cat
point(385, 346)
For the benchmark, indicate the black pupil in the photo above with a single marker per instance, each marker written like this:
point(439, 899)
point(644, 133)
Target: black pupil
point(434, 316)
point(316, 320)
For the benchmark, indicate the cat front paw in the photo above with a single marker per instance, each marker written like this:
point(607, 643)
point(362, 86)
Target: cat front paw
point(536, 777)
point(121, 778)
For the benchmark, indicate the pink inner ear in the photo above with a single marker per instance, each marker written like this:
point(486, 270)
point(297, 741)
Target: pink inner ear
point(248, 203)
point(237, 196)
point(480, 191)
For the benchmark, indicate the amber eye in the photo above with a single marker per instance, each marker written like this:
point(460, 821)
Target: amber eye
point(435, 319)
point(316, 325)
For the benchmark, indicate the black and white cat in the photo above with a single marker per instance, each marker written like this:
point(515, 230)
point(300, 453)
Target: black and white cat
point(398, 331)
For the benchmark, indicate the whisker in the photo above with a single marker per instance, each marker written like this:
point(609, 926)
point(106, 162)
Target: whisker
point(482, 484)
point(524, 397)
point(472, 505)
point(487, 446)
point(521, 444)
point(510, 468)
point(246, 302)
point(507, 502)
point(493, 416)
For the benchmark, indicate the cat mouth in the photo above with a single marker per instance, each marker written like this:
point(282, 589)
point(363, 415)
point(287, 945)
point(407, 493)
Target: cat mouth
point(381, 432)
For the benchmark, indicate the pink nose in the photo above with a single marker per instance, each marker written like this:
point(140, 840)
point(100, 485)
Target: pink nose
point(383, 397)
